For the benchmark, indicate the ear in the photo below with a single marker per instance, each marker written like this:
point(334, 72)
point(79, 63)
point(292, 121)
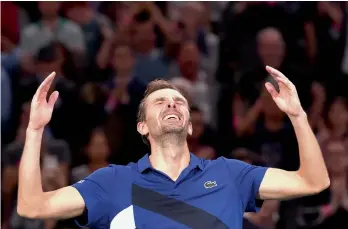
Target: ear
point(142, 128)
point(190, 130)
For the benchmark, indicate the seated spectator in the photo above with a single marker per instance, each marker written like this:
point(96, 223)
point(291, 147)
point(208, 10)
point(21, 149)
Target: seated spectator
point(97, 152)
point(52, 28)
point(197, 142)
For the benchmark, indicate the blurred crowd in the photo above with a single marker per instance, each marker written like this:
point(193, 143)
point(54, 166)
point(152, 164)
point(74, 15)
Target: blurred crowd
point(105, 53)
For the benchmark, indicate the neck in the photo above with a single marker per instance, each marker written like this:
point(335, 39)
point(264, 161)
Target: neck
point(170, 158)
point(125, 73)
point(49, 21)
point(94, 165)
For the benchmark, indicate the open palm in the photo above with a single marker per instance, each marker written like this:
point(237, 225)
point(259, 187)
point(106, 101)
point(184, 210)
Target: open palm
point(41, 110)
point(286, 99)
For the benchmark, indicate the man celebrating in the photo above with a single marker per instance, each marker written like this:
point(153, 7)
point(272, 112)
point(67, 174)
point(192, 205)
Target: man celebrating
point(170, 188)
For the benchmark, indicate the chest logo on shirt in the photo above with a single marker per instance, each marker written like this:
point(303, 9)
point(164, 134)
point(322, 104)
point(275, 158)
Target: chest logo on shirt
point(210, 184)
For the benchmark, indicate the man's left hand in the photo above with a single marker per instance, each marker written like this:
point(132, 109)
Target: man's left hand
point(286, 99)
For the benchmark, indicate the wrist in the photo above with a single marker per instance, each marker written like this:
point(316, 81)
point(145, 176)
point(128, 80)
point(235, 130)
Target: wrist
point(35, 131)
point(299, 119)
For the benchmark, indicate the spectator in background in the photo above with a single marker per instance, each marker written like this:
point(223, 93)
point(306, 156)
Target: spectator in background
point(151, 62)
point(197, 142)
point(52, 28)
point(188, 62)
point(328, 19)
point(266, 130)
point(335, 124)
point(97, 152)
point(272, 51)
point(122, 85)
point(50, 58)
point(92, 23)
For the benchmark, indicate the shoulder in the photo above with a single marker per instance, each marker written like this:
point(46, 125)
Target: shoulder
point(69, 26)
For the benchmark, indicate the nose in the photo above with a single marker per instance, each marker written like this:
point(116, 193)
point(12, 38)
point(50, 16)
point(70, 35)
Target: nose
point(171, 104)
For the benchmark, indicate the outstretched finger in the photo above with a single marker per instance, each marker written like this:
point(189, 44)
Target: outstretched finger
point(275, 73)
point(45, 86)
point(285, 82)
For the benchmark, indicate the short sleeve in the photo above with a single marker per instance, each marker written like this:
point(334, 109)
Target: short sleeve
point(248, 179)
point(96, 192)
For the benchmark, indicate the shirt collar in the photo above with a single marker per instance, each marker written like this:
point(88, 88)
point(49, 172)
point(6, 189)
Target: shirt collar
point(144, 163)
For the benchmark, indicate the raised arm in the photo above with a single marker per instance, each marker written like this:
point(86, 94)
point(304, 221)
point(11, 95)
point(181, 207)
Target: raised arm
point(33, 202)
point(312, 176)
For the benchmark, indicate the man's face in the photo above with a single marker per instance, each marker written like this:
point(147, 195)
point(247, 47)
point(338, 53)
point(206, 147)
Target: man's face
point(48, 8)
point(98, 148)
point(123, 59)
point(144, 33)
point(166, 112)
point(271, 50)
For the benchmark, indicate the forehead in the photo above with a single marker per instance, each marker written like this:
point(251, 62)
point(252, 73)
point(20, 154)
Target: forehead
point(165, 93)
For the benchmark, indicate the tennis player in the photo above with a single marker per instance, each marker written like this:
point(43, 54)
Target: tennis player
point(170, 188)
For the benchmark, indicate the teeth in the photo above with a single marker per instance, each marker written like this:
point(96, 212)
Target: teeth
point(171, 116)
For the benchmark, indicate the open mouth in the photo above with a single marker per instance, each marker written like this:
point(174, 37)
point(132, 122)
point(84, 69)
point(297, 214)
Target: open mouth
point(171, 117)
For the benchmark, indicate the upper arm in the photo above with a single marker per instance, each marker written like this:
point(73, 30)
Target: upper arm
point(247, 179)
point(281, 184)
point(62, 203)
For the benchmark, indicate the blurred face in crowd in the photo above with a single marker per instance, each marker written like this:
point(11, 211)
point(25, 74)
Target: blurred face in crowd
point(98, 149)
point(123, 59)
point(191, 14)
point(45, 67)
point(80, 13)
point(144, 35)
point(166, 115)
point(49, 9)
point(338, 113)
point(271, 47)
point(197, 124)
point(189, 60)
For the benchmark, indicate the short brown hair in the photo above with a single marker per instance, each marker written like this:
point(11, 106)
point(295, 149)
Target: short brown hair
point(153, 86)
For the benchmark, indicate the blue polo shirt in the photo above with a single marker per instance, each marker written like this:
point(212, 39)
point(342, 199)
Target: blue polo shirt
point(208, 194)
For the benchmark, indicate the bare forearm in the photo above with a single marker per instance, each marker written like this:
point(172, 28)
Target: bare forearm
point(312, 165)
point(30, 186)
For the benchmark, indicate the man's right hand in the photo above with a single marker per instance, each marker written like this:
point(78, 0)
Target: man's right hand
point(41, 110)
